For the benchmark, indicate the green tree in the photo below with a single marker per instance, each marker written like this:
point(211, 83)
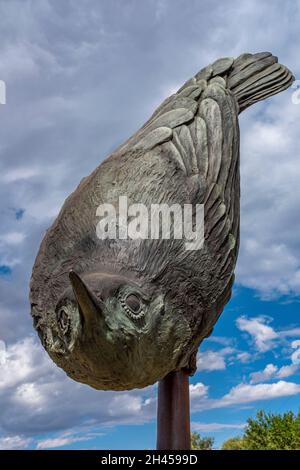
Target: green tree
point(234, 443)
point(268, 431)
point(201, 443)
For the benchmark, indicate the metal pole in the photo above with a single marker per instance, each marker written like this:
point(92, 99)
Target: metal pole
point(173, 412)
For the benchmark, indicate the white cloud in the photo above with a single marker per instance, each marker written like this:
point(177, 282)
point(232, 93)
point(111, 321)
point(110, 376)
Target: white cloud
point(213, 360)
point(124, 405)
point(210, 427)
point(269, 257)
point(271, 371)
point(244, 357)
point(287, 371)
point(61, 441)
point(30, 395)
point(265, 338)
point(23, 363)
point(21, 173)
point(290, 332)
point(14, 442)
point(15, 59)
point(198, 390)
point(262, 334)
point(36, 397)
point(12, 238)
point(268, 373)
point(10, 261)
point(2, 353)
point(295, 357)
point(245, 393)
point(223, 340)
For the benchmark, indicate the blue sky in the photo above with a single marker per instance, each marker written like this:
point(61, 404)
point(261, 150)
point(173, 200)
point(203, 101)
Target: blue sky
point(80, 78)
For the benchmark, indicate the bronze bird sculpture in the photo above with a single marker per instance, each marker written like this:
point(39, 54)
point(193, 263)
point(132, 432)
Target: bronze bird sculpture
point(121, 313)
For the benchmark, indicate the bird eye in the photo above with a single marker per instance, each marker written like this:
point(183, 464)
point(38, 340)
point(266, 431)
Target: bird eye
point(134, 303)
point(63, 320)
point(133, 306)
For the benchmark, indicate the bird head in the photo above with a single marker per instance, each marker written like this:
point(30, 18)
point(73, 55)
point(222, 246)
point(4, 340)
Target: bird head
point(115, 333)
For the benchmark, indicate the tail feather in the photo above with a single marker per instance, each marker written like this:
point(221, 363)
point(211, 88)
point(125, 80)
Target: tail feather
point(254, 77)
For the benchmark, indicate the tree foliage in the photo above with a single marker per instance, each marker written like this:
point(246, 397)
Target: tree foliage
point(234, 443)
point(201, 443)
point(268, 431)
point(271, 431)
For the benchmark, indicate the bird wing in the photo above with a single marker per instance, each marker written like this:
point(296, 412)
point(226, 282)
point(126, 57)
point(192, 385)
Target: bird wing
point(197, 128)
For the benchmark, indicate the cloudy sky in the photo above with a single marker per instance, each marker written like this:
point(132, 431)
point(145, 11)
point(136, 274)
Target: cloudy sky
point(80, 78)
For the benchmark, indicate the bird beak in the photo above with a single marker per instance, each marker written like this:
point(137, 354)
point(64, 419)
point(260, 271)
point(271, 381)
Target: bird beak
point(89, 305)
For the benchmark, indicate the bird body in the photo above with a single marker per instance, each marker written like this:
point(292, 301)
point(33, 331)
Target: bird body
point(120, 314)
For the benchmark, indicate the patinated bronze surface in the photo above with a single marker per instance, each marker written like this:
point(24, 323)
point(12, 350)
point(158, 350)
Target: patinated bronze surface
point(119, 314)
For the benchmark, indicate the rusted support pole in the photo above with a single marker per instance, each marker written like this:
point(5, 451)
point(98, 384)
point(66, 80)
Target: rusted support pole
point(173, 412)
